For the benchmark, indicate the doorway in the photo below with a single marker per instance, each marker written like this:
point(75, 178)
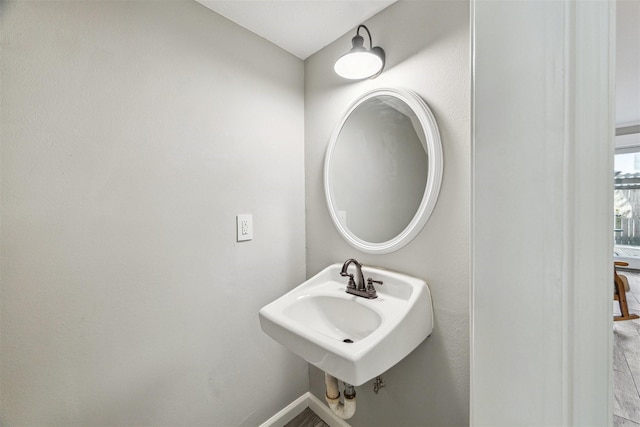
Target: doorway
point(627, 207)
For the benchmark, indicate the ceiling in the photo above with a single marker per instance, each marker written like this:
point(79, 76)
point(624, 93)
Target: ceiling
point(301, 27)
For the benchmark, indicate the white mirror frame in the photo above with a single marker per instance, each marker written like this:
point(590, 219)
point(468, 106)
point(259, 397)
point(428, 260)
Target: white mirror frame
point(433, 149)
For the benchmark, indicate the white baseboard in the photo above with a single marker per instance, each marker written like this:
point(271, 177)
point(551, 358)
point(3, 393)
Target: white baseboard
point(305, 401)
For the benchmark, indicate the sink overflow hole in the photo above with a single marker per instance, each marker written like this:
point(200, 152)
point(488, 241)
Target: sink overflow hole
point(347, 340)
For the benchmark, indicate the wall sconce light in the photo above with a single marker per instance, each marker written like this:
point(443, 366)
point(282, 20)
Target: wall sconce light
point(360, 63)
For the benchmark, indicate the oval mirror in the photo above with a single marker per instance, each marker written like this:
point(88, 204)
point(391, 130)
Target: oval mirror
point(383, 170)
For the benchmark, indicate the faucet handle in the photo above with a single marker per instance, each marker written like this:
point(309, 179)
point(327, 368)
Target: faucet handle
point(370, 287)
point(352, 283)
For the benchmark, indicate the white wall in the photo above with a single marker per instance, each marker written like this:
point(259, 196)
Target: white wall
point(628, 64)
point(427, 46)
point(132, 134)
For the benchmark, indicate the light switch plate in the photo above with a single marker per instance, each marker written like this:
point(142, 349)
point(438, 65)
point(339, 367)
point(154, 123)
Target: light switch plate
point(244, 227)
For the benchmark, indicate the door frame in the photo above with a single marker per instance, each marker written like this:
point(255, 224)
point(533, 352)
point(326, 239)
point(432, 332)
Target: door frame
point(541, 257)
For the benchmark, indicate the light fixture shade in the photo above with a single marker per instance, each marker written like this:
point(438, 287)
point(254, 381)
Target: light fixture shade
point(358, 65)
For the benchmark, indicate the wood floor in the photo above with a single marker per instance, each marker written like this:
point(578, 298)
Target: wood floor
point(307, 418)
point(626, 360)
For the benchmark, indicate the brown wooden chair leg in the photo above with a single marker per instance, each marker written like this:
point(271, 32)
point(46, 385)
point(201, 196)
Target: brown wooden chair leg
point(621, 296)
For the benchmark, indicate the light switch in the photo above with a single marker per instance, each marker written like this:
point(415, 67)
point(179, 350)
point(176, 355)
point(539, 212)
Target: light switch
point(244, 227)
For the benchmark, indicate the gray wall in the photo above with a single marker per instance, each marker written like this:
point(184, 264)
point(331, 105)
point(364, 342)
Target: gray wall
point(427, 45)
point(132, 134)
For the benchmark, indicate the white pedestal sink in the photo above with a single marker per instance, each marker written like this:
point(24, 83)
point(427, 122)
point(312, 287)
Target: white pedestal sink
point(352, 338)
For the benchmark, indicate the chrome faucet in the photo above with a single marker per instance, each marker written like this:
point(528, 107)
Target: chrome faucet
point(357, 287)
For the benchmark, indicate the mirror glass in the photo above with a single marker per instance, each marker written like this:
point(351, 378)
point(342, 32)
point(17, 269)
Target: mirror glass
point(383, 170)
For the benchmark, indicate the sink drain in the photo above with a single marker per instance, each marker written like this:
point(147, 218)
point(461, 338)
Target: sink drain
point(347, 340)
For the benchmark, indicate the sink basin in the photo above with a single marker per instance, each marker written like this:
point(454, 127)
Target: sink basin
point(336, 318)
point(350, 337)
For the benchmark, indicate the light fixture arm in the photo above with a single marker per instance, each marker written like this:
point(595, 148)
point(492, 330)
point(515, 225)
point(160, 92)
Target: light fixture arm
point(367, 30)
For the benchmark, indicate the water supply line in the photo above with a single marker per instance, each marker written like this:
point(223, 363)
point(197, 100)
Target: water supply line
point(343, 410)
